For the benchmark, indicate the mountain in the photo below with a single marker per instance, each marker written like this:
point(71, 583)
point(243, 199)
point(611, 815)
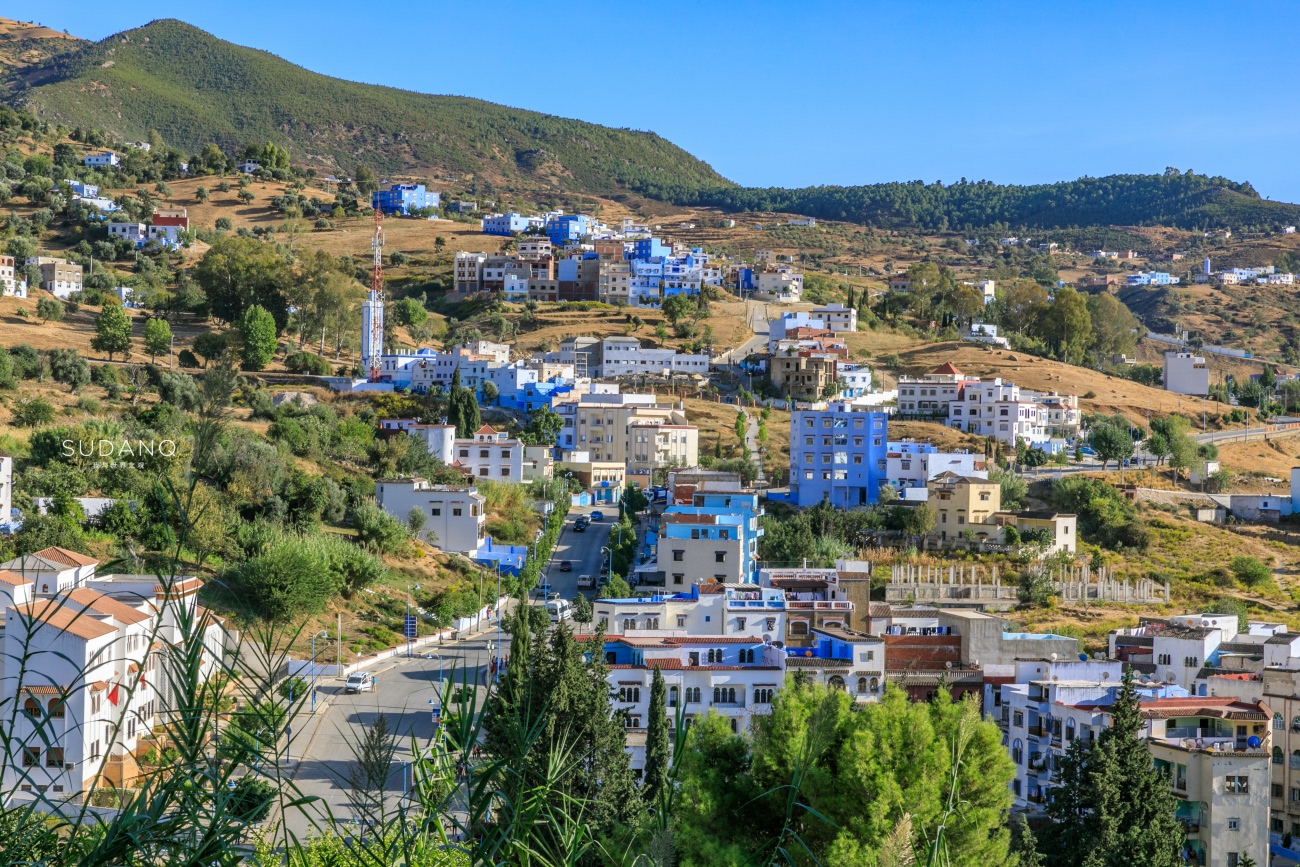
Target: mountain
point(1185, 200)
point(194, 88)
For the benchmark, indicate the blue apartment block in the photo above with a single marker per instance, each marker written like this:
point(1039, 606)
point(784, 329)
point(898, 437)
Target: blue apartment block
point(402, 198)
point(838, 454)
point(567, 228)
point(648, 248)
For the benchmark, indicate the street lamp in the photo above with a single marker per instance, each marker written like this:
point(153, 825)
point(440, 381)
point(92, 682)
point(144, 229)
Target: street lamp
point(497, 676)
point(610, 567)
point(313, 667)
point(406, 624)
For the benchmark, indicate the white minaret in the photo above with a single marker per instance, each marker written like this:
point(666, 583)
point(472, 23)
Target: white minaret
point(372, 332)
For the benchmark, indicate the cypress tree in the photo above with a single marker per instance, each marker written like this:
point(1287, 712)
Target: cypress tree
point(1114, 807)
point(656, 742)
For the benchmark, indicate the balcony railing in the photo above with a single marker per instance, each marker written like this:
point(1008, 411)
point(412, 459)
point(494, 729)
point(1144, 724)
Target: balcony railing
point(756, 603)
point(1036, 731)
point(811, 605)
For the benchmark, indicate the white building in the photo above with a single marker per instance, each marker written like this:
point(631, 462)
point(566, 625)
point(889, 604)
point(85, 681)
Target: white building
point(6, 488)
point(781, 284)
point(468, 272)
point(247, 167)
point(933, 393)
point(910, 466)
point(82, 670)
point(994, 408)
point(837, 317)
point(106, 158)
point(1220, 780)
point(983, 333)
point(625, 356)
point(11, 284)
point(1186, 373)
point(455, 515)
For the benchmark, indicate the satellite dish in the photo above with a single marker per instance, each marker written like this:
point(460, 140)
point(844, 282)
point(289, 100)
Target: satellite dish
point(1169, 677)
point(1105, 675)
point(1055, 678)
point(1253, 742)
point(1206, 623)
point(1053, 657)
point(1083, 657)
point(948, 664)
point(767, 638)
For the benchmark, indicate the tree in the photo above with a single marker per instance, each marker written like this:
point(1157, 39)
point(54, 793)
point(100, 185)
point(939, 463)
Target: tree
point(677, 307)
point(211, 345)
point(201, 194)
point(582, 608)
point(236, 273)
point(365, 181)
point(918, 521)
point(410, 312)
point(257, 338)
point(462, 408)
point(1251, 571)
point(251, 798)
point(490, 394)
point(1114, 327)
point(32, 412)
point(1114, 806)
point(1112, 442)
point(965, 302)
point(543, 427)
point(739, 426)
point(112, 332)
point(68, 367)
point(1068, 325)
point(657, 749)
point(245, 196)
point(157, 337)
point(415, 520)
point(50, 309)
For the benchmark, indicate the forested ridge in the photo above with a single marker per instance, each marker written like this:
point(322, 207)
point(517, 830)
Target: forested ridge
point(1182, 199)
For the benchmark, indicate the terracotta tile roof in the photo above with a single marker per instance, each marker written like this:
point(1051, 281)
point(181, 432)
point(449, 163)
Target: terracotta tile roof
point(66, 557)
point(183, 587)
point(132, 668)
point(947, 367)
point(119, 611)
point(486, 429)
point(878, 610)
point(99, 686)
point(61, 618)
point(7, 577)
point(45, 690)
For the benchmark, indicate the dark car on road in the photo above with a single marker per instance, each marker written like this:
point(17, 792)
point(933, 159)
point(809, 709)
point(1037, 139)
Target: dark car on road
point(580, 525)
point(566, 566)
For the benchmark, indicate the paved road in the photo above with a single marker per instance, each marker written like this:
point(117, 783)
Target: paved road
point(580, 549)
point(323, 742)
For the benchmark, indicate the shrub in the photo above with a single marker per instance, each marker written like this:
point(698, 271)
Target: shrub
point(187, 359)
point(33, 412)
point(308, 362)
point(377, 530)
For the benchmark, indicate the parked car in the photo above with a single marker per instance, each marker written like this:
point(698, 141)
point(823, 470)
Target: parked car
point(359, 681)
point(566, 566)
point(541, 591)
point(597, 516)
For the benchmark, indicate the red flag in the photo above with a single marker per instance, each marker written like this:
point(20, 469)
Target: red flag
point(112, 695)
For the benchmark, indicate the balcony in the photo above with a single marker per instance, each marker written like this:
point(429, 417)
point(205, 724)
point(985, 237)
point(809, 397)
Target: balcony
point(812, 605)
point(734, 604)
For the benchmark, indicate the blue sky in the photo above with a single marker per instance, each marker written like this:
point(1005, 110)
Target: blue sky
point(799, 93)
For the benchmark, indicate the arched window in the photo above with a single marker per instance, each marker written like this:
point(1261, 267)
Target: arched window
point(1295, 723)
point(33, 708)
point(798, 627)
point(717, 694)
point(1278, 722)
point(731, 694)
point(1295, 760)
point(875, 684)
point(836, 682)
point(1017, 752)
point(1277, 755)
point(672, 696)
point(862, 685)
point(1069, 730)
point(56, 708)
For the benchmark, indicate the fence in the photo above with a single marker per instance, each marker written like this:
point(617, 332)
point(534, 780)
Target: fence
point(975, 584)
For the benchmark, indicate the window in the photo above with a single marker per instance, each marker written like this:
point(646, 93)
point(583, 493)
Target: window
point(1017, 752)
point(678, 577)
point(734, 728)
point(1278, 722)
point(740, 624)
point(719, 556)
point(456, 512)
point(629, 694)
point(1295, 794)
point(94, 704)
point(672, 696)
point(94, 750)
point(1234, 824)
point(862, 684)
point(763, 695)
point(31, 757)
point(1278, 791)
point(33, 708)
point(54, 757)
point(1018, 719)
point(747, 655)
point(681, 621)
point(692, 694)
point(1236, 785)
point(1277, 755)
point(678, 555)
point(1233, 859)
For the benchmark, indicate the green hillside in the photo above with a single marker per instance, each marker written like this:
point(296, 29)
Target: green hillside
point(1185, 200)
point(194, 88)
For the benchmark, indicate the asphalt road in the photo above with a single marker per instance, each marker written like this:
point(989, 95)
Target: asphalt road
point(323, 742)
point(580, 549)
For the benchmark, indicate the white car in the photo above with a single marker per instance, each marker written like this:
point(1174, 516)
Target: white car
point(359, 682)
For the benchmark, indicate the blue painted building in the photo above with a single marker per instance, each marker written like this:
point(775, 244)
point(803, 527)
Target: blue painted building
point(563, 229)
point(838, 454)
point(718, 542)
point(402, 198)
point(648, 248)
point(511, 558)
point(1151, 278)
point(505, 224)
